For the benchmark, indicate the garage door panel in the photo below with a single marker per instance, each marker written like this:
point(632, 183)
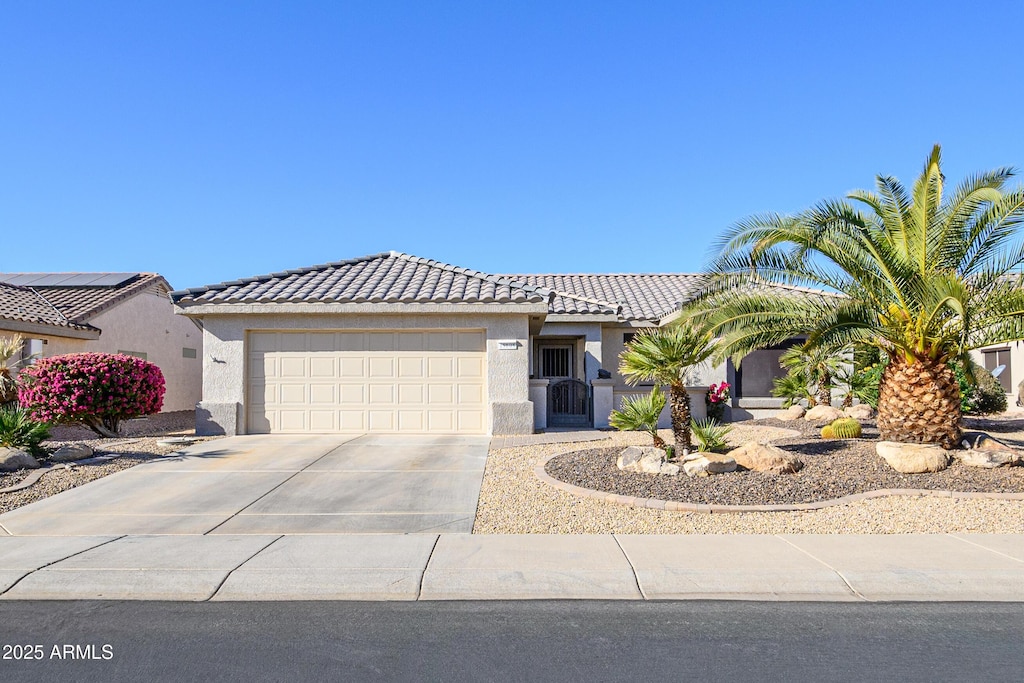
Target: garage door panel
point(352, 394)
point(382, 393)
point(293, 420)
point(376, 381)
point(411, 367)
point(323, 366)
point(352, 367)
point(323, 420)
point(382, 366)
point(292, 366)
point(323, 394)
point(382, 421)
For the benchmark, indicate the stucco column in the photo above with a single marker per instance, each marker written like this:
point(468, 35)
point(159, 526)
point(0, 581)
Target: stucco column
point(604, 401)
point(698, 409)
point(539, 398)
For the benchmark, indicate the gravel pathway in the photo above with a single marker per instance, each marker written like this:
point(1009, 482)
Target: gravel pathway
point(137, 445)
point(514, 501)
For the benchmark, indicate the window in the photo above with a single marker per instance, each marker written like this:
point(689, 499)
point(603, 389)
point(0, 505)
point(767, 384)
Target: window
point(556, 361)
point(188, 353)
point(993, 359)
point(137, 354)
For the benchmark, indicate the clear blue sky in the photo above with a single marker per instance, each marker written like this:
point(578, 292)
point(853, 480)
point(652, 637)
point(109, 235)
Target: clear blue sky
point(213, 140)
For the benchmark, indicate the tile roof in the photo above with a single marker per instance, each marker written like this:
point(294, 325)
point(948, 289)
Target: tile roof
point(395, 277)
point(643, 296)
point(389, 277)
point(21, 304)
point(80, 296)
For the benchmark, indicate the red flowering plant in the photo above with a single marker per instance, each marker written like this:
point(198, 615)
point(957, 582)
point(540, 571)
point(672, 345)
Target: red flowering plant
point(716, 399)
point(97, 390)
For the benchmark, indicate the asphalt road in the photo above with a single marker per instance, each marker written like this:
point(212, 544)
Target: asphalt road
point(511, 641)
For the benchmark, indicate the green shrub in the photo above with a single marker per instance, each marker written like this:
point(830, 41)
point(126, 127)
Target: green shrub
point(983, 396)
point(640, 413)
point(19, 430)
point(710, 435)
point(793, 388)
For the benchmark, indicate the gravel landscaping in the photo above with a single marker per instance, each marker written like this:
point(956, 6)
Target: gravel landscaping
point(514, 500)
point(137, 444)
point(832, 469)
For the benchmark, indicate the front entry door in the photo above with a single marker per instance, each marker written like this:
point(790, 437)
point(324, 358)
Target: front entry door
point(568, 397)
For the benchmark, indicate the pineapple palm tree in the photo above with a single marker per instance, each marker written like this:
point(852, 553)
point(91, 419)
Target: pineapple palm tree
point(668, 356)
point(923, 275)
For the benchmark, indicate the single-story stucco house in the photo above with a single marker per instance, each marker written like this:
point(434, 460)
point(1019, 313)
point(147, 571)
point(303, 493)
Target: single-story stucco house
point(395, 343)
point(58, 313)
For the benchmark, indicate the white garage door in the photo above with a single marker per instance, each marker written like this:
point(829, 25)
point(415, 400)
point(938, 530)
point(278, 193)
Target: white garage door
point(429, 382)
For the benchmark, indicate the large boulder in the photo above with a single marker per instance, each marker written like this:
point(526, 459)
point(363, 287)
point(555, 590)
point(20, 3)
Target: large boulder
point(762, 457)
point(72, 452)
point(913, 458)
point(645, 459)
point(984, 451)
point(823, 414)
point(861, 411)
point(14, 459)
point(709, 464)
point(794, 412)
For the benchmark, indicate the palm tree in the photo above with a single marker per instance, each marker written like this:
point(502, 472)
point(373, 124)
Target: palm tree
point(922, 275)
point(669, 356)
point(817, 367)
point(641, 412)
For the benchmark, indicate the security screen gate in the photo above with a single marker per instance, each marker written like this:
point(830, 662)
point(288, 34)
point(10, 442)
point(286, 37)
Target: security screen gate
point(569, 404)
point(568, 397)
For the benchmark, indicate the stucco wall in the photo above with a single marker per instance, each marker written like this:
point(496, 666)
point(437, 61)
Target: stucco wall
point(146, 323)
point(224, 358)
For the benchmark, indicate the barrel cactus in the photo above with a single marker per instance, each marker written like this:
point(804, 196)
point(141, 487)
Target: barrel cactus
point(827, 433)
point(846, 428)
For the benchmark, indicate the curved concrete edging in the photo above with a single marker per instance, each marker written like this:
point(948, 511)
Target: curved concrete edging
point(708, 508)
point(37, 474)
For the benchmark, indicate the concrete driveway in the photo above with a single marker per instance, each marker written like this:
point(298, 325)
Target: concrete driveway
point(277, 485)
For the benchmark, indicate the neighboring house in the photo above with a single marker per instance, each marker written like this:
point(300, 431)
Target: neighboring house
point(1011, 357)
point(395, 343)
point(129, 313)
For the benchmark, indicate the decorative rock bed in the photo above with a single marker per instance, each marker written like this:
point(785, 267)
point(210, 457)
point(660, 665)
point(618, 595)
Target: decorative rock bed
point(832, 469)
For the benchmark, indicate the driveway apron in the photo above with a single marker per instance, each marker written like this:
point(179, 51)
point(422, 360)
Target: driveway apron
point(277, 484)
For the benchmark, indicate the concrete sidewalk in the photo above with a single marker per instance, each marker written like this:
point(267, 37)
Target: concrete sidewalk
point(941, 567)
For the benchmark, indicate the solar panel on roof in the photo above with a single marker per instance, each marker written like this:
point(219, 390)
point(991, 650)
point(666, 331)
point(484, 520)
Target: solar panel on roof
point(67, 279)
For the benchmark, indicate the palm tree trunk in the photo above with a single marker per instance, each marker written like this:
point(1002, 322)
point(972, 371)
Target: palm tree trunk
point(825, 390)
point(919, 403)
point(680, 418)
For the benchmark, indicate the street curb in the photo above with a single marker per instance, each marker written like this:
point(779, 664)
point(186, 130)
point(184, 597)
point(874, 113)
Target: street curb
point(708, 508)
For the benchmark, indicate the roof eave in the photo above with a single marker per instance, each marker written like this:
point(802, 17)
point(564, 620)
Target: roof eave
point(457, 308)
point(22, 327)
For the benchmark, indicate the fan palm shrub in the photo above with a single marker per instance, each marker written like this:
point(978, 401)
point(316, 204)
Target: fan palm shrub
point(817, 367)
point(19, 430)
point(710, 434)
point(9, 347)
point(924, 275)
point(640, 413)
point(669, 356)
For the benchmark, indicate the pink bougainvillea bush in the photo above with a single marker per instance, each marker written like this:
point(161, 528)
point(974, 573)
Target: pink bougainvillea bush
point(97, 390)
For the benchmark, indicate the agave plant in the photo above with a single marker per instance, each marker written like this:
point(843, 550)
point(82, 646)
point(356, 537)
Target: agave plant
point(924, 275)
point(640, 413)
